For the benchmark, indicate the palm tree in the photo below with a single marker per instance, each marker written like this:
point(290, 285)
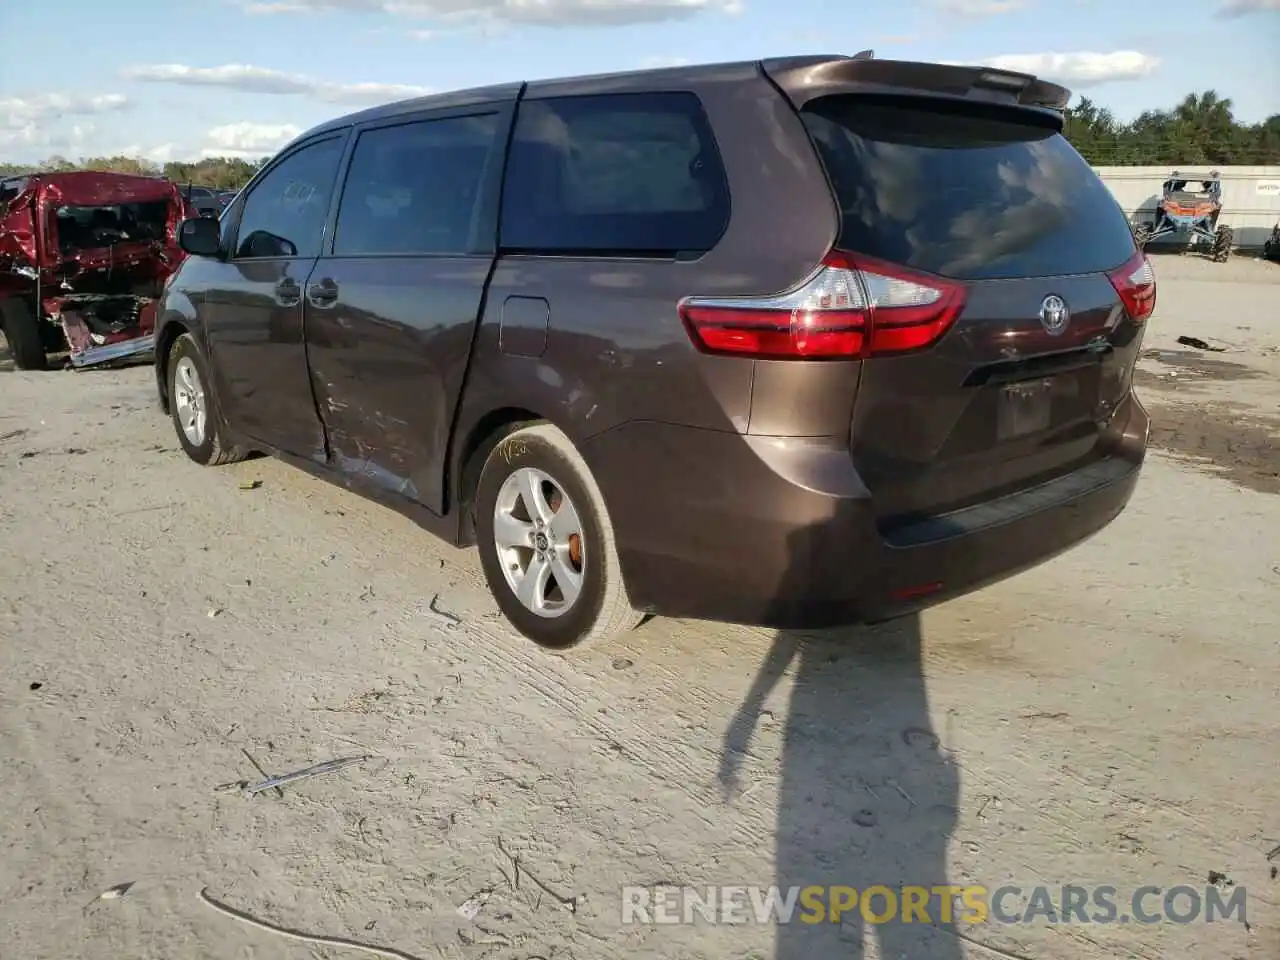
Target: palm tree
point(1204, 128)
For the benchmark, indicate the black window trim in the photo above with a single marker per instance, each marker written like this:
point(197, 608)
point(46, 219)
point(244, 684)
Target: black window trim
point(231, 241)
point(701, 119)
point(490, 187)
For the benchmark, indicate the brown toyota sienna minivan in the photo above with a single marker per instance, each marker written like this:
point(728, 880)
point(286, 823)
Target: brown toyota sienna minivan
point(802, 341)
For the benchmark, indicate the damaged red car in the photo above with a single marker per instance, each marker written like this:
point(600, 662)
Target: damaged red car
point(83, 258)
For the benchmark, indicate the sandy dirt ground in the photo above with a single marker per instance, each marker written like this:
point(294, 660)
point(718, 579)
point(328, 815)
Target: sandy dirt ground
point(1108, 718)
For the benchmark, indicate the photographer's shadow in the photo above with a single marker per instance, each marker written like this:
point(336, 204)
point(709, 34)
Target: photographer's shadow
point(866, 796)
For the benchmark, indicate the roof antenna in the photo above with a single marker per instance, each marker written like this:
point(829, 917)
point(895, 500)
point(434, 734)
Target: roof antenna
point(865, 55)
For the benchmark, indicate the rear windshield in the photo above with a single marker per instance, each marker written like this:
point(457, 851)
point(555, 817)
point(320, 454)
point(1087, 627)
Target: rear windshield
point(965, 195)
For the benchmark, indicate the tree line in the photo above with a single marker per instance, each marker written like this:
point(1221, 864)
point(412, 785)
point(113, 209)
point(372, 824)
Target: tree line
point(220, 173)
point(1201, 129)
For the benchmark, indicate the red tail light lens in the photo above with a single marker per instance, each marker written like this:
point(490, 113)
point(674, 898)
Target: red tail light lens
point(1136, 284)
point(825, 318)
point(909, 310)
point(852, 307)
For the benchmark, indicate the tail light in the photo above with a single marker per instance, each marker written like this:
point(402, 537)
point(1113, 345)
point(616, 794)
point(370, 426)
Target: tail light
point(1136, 284)
point(853, 307)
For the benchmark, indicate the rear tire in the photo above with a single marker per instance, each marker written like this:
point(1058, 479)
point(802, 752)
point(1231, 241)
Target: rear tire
point(1222, 241)
point(22, 331)
point(565, 532)
point(192, 407)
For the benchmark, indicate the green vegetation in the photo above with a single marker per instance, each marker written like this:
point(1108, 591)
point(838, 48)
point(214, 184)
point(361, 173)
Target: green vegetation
point(1199, 130)
point(221, 173)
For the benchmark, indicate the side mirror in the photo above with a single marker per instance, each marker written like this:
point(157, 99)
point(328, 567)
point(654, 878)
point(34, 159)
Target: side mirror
point(200, 237)
point(260, 243)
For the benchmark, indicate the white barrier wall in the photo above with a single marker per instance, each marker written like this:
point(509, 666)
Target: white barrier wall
point(1250, 195)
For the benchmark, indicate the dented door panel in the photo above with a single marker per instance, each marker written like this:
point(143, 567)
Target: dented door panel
point(387, 360)
point(392, 305)
point(253, 322)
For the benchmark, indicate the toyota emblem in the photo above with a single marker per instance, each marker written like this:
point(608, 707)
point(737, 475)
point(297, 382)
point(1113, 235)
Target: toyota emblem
point(1054, 315)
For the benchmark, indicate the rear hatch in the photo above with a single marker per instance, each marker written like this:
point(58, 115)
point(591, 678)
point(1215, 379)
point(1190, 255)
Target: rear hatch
point(991, 208)
point(118, 238)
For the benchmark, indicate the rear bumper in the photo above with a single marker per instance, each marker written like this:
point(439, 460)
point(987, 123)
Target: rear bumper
point(109, 352)
point(780, 531)
point(136, 341)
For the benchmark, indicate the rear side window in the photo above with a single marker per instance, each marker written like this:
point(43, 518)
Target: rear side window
point(416, 188)
point(964, 194)
point(617, 175)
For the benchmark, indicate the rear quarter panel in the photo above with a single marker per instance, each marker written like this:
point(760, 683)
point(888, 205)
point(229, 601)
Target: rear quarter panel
point(617, 351)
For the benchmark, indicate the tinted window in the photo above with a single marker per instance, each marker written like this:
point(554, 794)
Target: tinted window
point(634, 173)
point(415, 188)
point(963, 194)
point(284, 214)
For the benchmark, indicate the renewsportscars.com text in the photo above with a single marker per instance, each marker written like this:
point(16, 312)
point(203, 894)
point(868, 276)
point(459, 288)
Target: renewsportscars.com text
point(942, 903)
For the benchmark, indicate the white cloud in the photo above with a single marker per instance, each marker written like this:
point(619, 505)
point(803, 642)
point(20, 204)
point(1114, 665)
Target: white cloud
point(548, 13)
point(243, 139)
point(251, 79)
point(1240, 8)
point(981, 9)
point(80, 134)
point(37, 122)
point(249, 140)
point(1079, 69)
point(161, 154)
point(26, 138)
point(43, 108)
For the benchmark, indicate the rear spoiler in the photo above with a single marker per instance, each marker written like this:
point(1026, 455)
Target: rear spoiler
point(803, 79)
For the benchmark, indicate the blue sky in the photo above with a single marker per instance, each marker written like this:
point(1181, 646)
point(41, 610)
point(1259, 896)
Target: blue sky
point(178, 80)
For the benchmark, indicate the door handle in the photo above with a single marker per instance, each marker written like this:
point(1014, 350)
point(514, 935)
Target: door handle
point(288, 292)
point(322, 293)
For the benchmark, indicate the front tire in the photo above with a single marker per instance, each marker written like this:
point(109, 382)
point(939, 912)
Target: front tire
point(22, 331)
point(546, 543)
point(192, 409)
